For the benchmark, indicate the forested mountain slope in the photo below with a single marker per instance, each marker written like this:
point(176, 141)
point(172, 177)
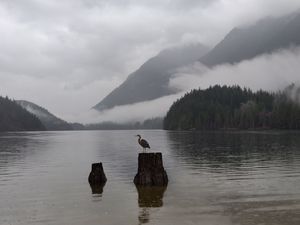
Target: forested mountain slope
point(151, 80)
point(14, 118)
point(50, 121)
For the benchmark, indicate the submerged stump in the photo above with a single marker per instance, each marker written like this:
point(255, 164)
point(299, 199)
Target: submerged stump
point(150, 170)
point(97, 175)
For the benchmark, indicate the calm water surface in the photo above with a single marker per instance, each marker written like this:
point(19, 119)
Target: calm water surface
point(215, 178)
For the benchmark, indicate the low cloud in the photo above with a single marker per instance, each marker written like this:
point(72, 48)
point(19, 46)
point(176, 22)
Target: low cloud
point(269, 72)
point(129, 113)
point(58, 96)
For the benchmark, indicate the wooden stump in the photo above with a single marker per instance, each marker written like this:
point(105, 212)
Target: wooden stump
point(97, 175)
point(150, 170)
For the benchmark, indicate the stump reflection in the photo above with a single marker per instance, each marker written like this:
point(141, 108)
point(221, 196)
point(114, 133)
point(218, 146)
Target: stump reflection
point(149, 197)
point(97, 188)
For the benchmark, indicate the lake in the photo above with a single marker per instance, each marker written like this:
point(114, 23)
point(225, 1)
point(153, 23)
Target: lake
point(245, 178)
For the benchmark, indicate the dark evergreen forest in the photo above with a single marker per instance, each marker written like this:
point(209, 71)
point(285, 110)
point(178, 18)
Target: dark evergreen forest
point(233, 107)
point(14, 118)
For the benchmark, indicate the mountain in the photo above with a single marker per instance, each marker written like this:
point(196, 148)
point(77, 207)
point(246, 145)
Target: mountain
point(14, 118)
point(50, 121)
point(265, 36)
point(151, 80)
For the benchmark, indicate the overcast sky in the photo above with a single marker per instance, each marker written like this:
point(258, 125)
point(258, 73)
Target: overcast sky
point(66, 55)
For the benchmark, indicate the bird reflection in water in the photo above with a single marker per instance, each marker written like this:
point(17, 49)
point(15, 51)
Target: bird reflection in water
point(149, 197)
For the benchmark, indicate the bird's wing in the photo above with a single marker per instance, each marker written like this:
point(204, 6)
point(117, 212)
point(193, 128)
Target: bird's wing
point(145, 144)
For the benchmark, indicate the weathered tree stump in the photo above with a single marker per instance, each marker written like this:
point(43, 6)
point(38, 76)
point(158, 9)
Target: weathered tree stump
point(97, 175)
point(150, 170)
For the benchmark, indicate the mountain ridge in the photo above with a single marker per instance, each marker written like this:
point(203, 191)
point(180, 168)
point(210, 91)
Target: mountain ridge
point(50, 121)
point(15, 118)
point(151, 80)
point(265, 36)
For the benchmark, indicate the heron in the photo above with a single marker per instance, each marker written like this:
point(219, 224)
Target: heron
point(143, 143)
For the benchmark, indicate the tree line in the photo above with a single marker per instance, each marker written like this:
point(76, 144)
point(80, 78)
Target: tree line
point(154, 123)
point(233, 107)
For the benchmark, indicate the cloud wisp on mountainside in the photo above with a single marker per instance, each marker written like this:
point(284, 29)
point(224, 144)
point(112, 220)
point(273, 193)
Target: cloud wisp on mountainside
point(258, 40)
point(271, 72)
point(129, 113)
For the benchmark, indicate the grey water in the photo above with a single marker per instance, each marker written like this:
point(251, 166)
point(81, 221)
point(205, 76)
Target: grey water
point(215, 178)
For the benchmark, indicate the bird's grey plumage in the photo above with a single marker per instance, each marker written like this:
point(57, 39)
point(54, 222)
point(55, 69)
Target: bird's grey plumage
point(143, 142)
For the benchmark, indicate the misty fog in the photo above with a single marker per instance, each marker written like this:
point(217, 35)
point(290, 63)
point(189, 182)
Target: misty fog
point(271, 72)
